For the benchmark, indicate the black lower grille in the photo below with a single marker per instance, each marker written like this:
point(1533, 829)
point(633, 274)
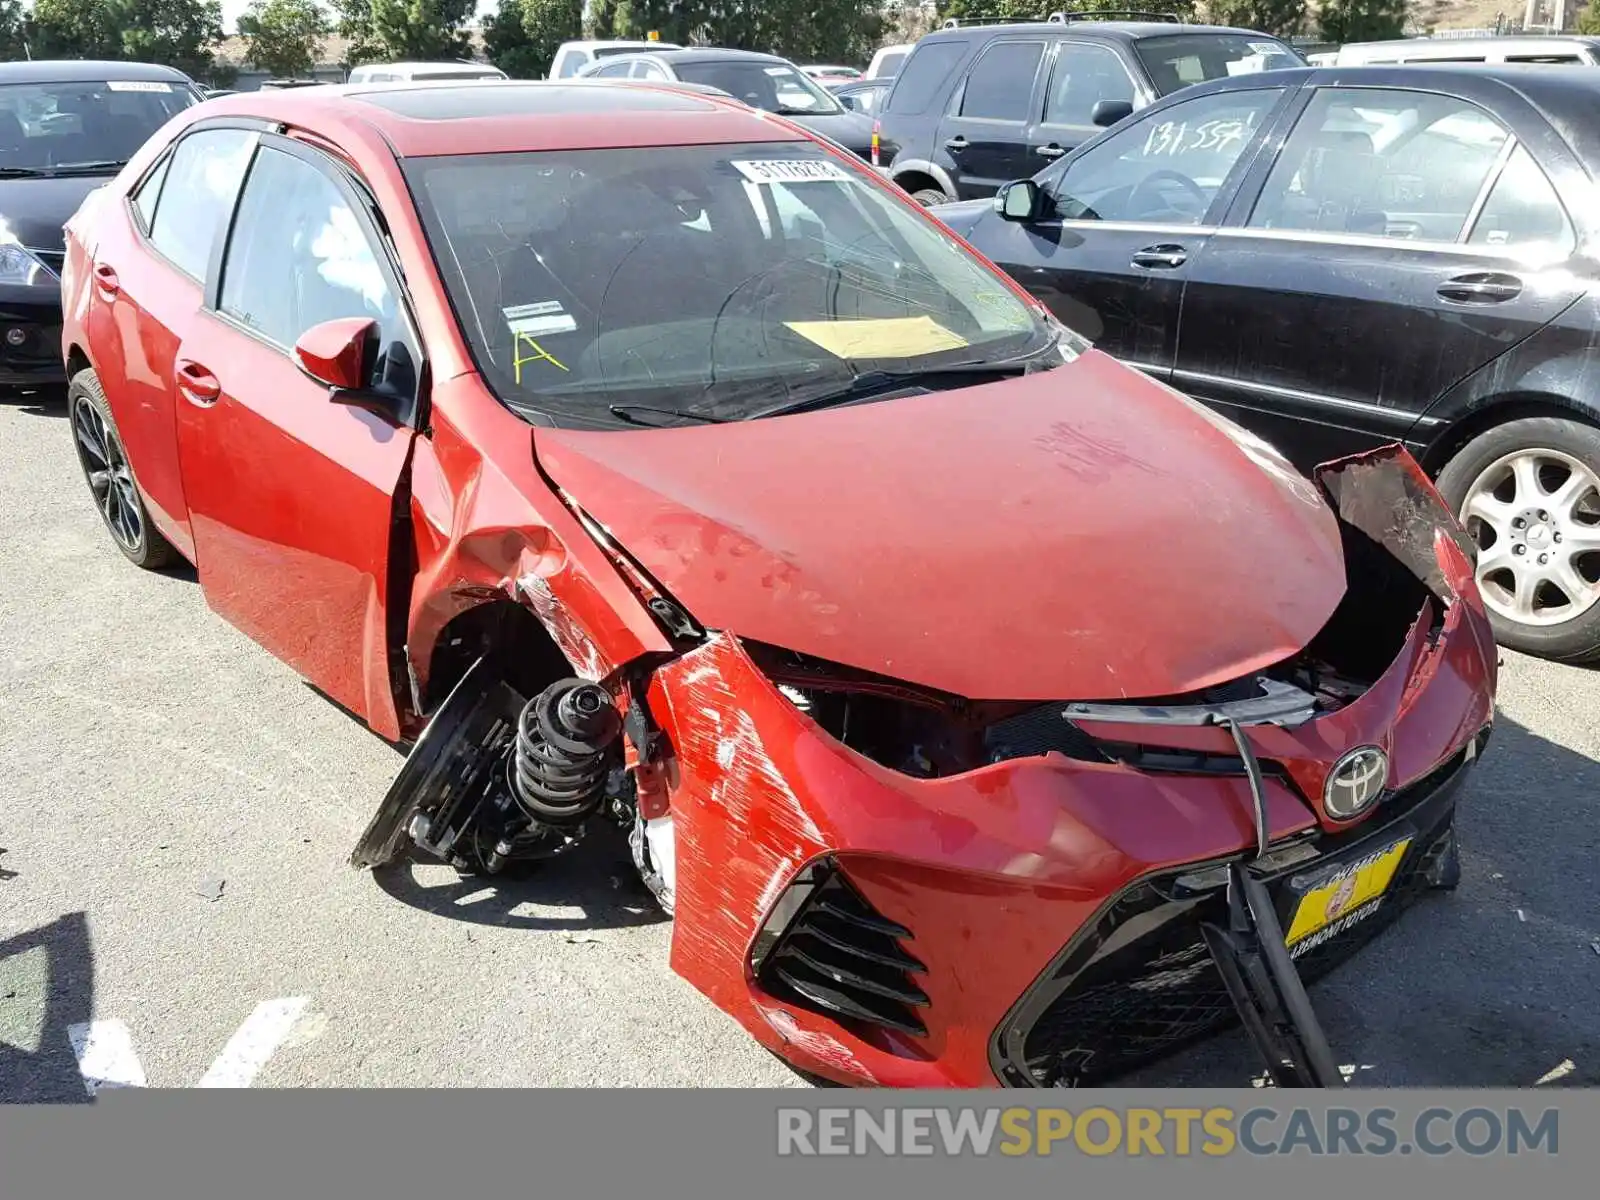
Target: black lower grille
point(1141, 983)
point(839, 956)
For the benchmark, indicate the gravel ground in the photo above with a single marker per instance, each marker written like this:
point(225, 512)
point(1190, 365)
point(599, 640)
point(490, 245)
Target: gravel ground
point(150, 753)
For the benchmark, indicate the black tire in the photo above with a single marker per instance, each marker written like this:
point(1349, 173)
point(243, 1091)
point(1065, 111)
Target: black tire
point(110, 476)
point(1575, 640)
point(928, 197)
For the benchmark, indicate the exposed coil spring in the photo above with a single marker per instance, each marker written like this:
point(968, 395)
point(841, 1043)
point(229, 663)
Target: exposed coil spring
point(559, 767)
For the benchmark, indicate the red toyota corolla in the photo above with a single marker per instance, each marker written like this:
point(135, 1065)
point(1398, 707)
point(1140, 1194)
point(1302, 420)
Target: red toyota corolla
point(982, 710)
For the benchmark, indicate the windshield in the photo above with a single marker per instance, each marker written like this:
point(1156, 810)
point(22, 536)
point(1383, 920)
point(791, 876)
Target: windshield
point(1179, 60)
point(776, 87)
point(712, 281)
point(52, 127)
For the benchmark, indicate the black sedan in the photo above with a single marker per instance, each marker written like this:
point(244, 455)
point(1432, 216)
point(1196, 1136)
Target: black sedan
point(65, 129)
point(1343, 257)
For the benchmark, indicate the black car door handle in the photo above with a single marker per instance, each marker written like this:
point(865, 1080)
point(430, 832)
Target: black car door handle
point(1481, 287)
point(1050, 151)
point(956, 143)
point(1161, 258)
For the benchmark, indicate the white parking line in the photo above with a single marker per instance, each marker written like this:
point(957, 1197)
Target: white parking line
point(104, 1050)
point(249, 1049)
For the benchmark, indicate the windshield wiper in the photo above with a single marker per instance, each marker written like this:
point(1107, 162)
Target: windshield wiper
point(785, 110)
point(22, 172)
point(85, 168)
point(625, 412)
point(870, 383)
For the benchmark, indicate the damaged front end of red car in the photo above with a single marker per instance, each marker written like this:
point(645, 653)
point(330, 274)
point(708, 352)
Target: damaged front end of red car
point(888, 883)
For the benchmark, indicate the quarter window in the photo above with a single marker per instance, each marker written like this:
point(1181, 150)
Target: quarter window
point(1522, 209)
point(1000, 85)
point(1084, 75)
point(1168, 167)
point(1381, 163)
point(298, 256)
point(144, 200)
point(198, 194)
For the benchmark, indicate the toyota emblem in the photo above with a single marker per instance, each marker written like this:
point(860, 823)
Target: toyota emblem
point(1355, 783)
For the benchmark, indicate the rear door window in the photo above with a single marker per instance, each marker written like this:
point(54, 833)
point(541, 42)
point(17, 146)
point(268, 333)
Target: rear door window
point(1383, 163)
point(923, 79)
point(1000, 84)
point(202, 181)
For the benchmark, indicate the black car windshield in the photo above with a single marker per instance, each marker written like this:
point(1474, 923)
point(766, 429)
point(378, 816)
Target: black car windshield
point(59, 127)
point(1178, 60)
point(774, 86)
point(712, 281)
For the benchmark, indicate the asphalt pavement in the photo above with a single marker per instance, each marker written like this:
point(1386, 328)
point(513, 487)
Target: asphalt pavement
point(176, 808)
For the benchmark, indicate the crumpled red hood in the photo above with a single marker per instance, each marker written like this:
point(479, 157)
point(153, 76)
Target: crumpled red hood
point(1073, 534)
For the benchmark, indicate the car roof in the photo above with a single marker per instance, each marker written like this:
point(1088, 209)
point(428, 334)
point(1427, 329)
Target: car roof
point(1122, 31)
point(419, 120)
point(453, 63)
point(85, 70)
point(1484, 43)
point(722, 54)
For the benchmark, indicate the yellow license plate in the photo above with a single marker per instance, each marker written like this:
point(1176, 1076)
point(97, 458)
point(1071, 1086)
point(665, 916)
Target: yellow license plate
point(1348, 897)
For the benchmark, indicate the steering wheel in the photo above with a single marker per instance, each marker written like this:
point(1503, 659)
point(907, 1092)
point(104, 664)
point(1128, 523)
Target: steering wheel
point(1161, 176)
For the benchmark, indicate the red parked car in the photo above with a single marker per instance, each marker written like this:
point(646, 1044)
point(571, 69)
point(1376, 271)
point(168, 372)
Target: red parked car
point(982, 710)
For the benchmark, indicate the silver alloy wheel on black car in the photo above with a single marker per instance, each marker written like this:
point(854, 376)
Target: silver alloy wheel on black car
point(1528, 493)
point(110, 477)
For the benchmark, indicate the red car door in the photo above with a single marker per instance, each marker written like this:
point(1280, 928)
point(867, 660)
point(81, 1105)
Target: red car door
point(290, 493)
point(147, 274)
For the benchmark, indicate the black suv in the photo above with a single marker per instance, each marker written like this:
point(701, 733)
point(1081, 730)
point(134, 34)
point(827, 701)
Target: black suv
point(978, 104)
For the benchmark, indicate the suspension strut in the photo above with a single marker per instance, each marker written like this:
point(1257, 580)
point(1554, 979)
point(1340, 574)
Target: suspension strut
point(558, 768)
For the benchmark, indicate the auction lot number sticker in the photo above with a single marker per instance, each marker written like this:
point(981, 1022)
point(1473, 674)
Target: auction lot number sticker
point(805, 170)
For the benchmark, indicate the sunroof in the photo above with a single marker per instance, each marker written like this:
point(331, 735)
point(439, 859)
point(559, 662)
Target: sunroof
point(440, 103)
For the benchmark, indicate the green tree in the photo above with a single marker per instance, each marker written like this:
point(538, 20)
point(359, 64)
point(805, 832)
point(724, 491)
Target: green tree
point(74, 29)
point(1037, 10)
point(422, 30)
point(13, 30)
point(548, 23)
point(353, 23)
point(284, 37)
point(602, 19)
point(1280, 17)
point(177, 33)
point(1589, 20)
point(1346, 21)
point(522, 36)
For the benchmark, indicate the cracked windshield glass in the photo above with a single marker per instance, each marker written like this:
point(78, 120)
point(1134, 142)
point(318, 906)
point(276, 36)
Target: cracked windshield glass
point(702, 283)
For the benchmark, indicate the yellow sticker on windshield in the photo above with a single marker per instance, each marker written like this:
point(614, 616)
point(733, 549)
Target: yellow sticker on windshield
point(882, 337)
point(520, 358)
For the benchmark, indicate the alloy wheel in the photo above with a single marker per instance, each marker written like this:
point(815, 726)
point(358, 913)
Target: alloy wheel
point(105, 466)
point(1535, 516)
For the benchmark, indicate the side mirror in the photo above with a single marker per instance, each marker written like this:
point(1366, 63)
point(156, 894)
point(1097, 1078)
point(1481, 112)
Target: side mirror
point(1022, 200)
point(339, 354)
point(851, 102)
point(1109, 112)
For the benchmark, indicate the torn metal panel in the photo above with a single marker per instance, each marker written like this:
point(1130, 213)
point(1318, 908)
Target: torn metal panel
point(1386, 495)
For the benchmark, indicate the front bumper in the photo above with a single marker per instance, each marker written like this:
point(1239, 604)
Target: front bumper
point(30, 335)
point(1029, 891)
point(1138, 982)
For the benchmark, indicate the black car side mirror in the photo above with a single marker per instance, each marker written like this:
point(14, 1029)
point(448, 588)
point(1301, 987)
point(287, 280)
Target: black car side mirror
point(1109, 112)
point(849, 102)
point(1022, 200)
